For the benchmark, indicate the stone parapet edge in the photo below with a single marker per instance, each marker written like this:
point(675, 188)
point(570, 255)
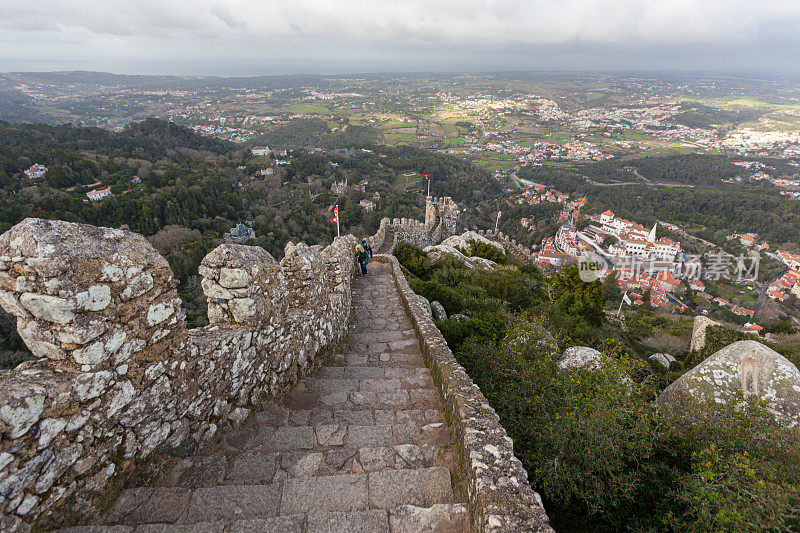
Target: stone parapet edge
point(500, 496)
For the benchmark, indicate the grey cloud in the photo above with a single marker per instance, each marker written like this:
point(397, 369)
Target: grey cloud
point(361, 33)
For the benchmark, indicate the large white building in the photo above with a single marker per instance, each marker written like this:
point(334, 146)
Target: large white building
point(635, 239)
point(98, 194)
point(567, 241)
point(260, 150)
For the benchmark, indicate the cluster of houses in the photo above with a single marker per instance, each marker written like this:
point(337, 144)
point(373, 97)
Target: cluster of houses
point(568, 151)
point(790, 187)
point(750, 240)
point(538, 194)
point(550, 255)
point(790, 281)
point(724, 303)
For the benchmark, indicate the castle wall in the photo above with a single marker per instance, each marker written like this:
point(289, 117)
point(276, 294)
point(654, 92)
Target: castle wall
point(119, 374)
point(119, 377)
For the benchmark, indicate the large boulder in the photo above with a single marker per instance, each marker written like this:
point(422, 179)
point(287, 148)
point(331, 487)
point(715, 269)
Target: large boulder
point(746, 367)
point(583, 356)
point(426, 305)
point(663, 359)
point(701, 324)
point(462, 241)
point(441, 250)
point(576, 356)
point(438, 311)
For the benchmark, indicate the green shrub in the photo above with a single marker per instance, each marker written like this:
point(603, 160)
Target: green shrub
point(413, 259)
point(595, 447)
point(487, 251)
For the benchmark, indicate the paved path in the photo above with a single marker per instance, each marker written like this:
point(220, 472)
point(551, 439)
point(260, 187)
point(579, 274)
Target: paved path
point(361, 445)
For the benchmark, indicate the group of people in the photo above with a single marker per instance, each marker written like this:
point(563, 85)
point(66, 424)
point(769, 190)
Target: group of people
point(363, 255)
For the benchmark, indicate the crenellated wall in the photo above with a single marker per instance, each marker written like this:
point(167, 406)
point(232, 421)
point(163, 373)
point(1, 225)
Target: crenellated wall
point(441, 222)
point(441, 218)
point(119, 375)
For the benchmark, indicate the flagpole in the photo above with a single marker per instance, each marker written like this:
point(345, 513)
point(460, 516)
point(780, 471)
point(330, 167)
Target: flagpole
point(429, 184)
point(620, 306)
point(337, 220)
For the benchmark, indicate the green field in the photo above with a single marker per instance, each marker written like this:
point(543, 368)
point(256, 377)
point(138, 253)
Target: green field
point(633, 135)
point(306, 109)
point(400, 137)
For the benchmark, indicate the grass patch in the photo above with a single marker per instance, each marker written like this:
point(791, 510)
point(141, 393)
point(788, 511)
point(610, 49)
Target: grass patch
point(306, 109)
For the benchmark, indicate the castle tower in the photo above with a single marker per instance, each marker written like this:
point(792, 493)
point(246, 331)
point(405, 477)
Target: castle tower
point(431, 213)
point(441, 217)
point(449, 214)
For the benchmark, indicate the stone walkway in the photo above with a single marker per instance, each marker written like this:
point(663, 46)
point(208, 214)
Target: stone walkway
point(359, 446)
point(388, 241)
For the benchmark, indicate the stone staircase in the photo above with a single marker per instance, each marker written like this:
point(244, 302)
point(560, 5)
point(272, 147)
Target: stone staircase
point(359, 446)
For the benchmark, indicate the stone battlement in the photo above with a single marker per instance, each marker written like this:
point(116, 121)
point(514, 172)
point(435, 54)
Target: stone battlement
point(120, 375)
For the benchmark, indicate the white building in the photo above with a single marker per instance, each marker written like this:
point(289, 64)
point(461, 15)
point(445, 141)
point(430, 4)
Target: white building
point(98, 194)
point(666, 249)
point(260, 150)
point(567, 241)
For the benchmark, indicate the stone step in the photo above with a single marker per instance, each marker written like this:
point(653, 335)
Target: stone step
point(442, 518)
point(354, 436)
point(365, 459)
point(384, 489)
point(259, 467)
point(414, 392)
point(360, 492)
point(359, 372)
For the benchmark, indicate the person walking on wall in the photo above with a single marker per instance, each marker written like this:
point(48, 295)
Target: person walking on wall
point(362, 256)
point(367, 247)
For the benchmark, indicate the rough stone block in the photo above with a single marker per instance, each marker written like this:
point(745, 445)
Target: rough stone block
point(290, 438)
point(424, 488)
point(279, 524)
point(362, 436)
point(374, 459)
point(251, 469)
point(442, 518)
point(329, 494)
point(206, 527)
point(374, 521)
point(233, 502)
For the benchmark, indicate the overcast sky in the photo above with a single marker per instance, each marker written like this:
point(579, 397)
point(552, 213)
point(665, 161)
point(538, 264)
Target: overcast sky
point(246, 37)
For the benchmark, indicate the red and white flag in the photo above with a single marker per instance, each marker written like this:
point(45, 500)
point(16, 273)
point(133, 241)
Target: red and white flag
point(335, 219)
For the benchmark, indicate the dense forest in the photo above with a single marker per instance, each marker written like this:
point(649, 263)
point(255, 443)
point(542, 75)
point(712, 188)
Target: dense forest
point(602, 457)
